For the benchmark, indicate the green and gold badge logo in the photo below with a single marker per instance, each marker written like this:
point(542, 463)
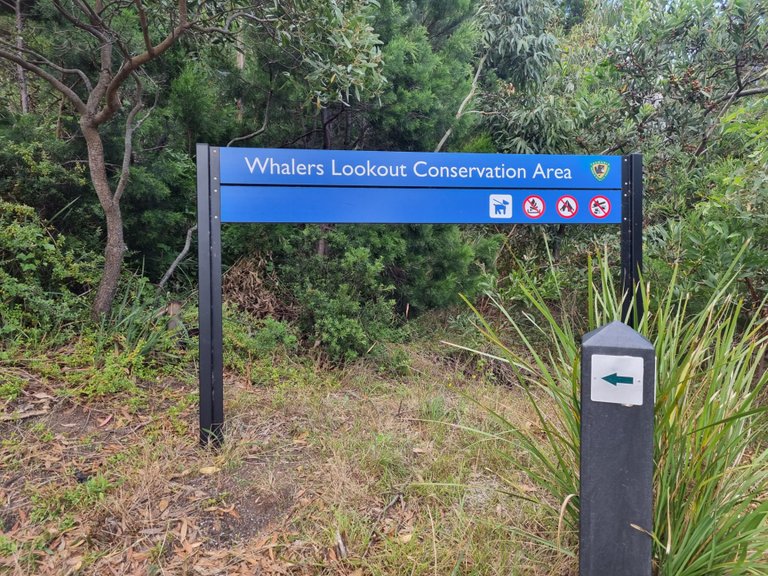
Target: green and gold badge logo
point(600, 170)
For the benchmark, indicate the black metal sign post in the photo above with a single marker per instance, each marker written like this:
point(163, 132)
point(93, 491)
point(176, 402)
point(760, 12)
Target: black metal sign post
point(209, 276)
point(631, 237)
point(618, 372)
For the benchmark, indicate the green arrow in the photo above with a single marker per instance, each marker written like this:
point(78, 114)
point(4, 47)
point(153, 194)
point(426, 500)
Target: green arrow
point(615, 379)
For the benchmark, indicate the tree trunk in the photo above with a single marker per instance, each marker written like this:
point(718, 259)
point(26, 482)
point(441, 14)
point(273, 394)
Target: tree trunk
point(113, 262)
point(115, 246)
point(22, 74)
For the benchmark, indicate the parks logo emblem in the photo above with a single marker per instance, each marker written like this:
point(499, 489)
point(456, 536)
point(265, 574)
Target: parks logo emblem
point(600, 170)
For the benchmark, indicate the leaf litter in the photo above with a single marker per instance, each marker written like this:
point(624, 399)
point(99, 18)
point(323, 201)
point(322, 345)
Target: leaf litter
point(93, 487)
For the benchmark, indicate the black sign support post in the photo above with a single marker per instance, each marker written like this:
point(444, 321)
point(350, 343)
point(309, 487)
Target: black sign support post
point(209, 257)
point(631, 238)
point(616, 492)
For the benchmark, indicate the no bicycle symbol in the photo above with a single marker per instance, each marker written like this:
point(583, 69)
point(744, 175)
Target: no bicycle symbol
point(534, 206)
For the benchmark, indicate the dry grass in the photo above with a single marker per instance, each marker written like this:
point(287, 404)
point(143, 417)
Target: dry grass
point(250, 286)
point(326, 472)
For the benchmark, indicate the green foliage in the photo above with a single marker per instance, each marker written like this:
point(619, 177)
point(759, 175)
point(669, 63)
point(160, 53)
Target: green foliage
point(55, 503)
point(516, 32)
point(348, 307)
point(274, 335)
point(731, 211)
point(651, 77)
point(11, 385)
point(428, 51)
point(337, 45)
point(370, 277)
point(247, 338)
point(39, 170)
point(42, 280)
point(711, 460)
point(193, 96)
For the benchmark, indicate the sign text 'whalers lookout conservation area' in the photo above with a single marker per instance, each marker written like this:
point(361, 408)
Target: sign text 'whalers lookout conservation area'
point(331, 186)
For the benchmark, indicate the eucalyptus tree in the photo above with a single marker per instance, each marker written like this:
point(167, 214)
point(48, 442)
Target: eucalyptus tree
point(100, 58)
point(98, 66)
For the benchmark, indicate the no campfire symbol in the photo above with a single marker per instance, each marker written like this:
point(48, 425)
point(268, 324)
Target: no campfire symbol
point(534, 206)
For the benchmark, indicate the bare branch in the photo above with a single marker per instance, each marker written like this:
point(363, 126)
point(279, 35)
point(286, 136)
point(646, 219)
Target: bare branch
point(131, 64)
point(125, 170)
point(263, 124)
point(20, 72)
point(92, 30)
point(43, 60)
point(742, 90)
point(48, 77)
point(464, 103)
point(179, 258)
point(144, 27)
point(749, 92)
point(230, 19)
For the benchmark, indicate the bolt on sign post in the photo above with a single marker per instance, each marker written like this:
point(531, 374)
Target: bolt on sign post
point(618, 389)
point(343, 186)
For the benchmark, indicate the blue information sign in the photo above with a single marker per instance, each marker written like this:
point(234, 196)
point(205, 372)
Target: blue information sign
point(277, 185)
point(330, 186)
point(273, 204)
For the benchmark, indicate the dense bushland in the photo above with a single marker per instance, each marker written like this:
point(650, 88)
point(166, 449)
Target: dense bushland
point(102, 103)
point(683, 83)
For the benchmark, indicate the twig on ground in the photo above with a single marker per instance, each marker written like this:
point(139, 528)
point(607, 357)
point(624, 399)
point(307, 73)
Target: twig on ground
point(397, 498)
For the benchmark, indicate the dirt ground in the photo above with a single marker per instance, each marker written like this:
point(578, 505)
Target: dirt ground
point(350, 472)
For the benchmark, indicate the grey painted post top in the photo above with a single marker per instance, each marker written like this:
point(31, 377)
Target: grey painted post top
point(618, 373)
point(615, 335)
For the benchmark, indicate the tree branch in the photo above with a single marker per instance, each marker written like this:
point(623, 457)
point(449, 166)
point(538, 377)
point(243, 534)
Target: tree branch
point(178, 259)
point(57, 84)
point(743, 94)
point(43, 60)
point(263, 124)
point(729, 99)
point(144, 27)
point(464, 103)
point(128, 144)
point(131, 64)
point(92, 30)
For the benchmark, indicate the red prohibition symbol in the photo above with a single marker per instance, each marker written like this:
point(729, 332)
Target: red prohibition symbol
point(567, 206)
point(600, 206)
point(534, 206)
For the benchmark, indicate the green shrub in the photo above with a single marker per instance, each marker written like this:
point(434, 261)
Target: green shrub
point(274, 335)
point(247, 338)
point(11, 385)
point(42, 282)
point(368, 278)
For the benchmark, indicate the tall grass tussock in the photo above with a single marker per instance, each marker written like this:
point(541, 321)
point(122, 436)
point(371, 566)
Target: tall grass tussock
point(711, 447)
